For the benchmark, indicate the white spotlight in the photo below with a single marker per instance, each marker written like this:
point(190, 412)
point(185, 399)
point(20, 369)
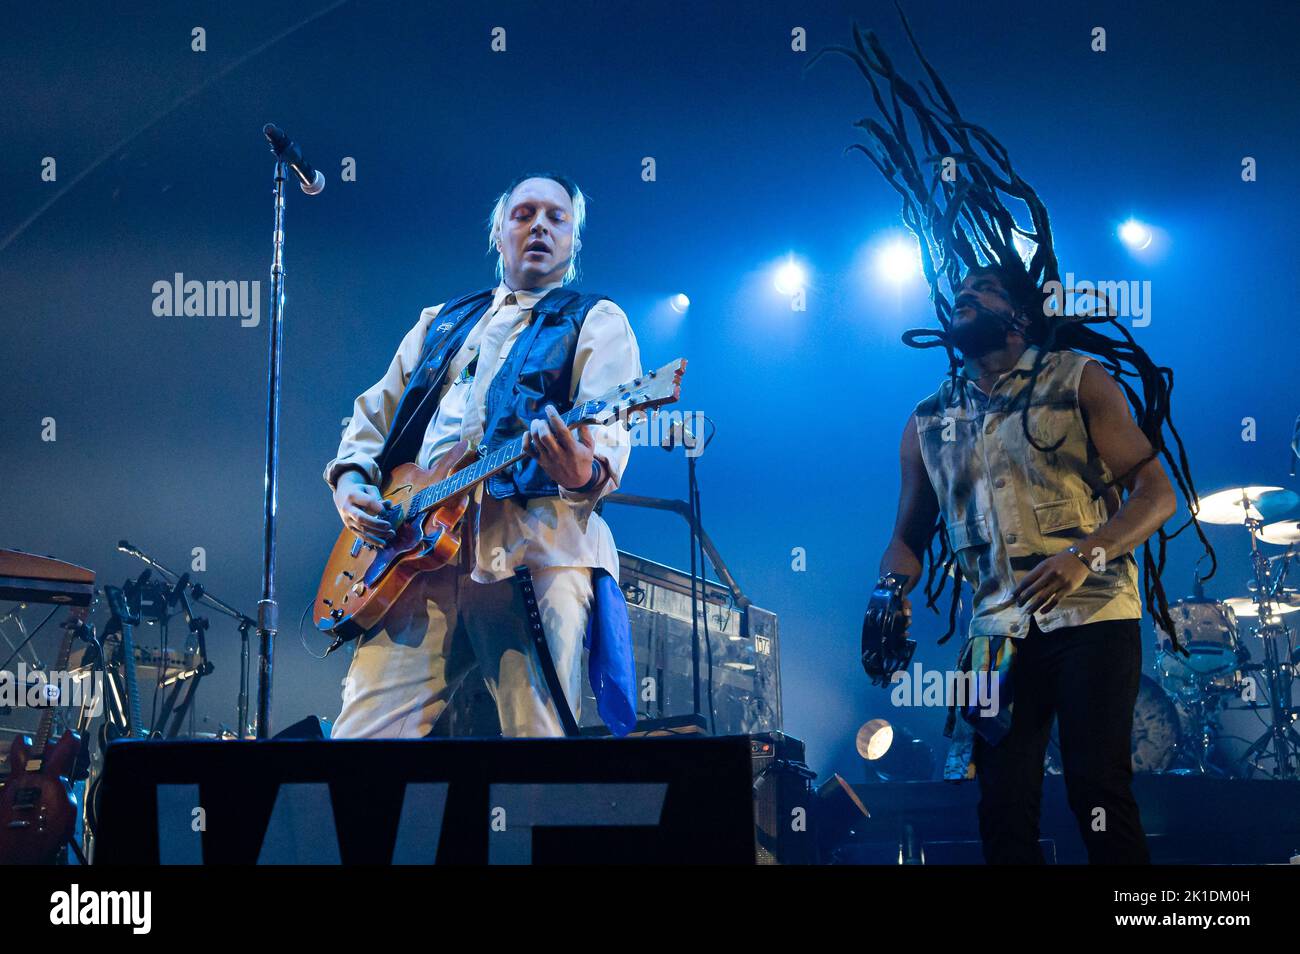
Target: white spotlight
point(679, 303)
point(898, 261)
point(874, 739)
point(1136, 235)
point(790, 277)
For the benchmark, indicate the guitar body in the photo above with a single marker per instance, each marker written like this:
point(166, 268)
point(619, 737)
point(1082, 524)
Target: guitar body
point(360, 583)
point(425, 507)
point(38, 811)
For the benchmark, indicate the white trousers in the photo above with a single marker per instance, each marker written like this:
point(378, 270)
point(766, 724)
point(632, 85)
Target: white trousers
point(405, 671)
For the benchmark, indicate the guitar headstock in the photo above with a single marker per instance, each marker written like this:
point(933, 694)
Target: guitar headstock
point(653, 389)
point(79, 616)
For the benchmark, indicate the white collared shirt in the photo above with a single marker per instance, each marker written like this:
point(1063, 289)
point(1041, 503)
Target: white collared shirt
point(550, 531)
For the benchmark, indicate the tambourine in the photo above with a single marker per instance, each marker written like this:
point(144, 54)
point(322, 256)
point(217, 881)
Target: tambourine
point(885, 646)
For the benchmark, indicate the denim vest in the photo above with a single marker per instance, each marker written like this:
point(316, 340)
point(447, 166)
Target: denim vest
point(1006, 505)
point(537, 371)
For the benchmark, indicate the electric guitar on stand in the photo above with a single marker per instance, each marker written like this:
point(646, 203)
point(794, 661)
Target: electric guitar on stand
point(38, 811)
point(425, 507)
point(126, 615)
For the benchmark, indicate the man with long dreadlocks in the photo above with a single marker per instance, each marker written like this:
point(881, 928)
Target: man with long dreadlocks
point(1025, 474)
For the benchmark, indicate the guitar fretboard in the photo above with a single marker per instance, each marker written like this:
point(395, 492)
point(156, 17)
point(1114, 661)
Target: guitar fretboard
point(499, 459)
point(135, 717)
point(76, 617)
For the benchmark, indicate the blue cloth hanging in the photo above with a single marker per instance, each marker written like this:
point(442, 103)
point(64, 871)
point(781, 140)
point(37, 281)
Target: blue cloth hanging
point(609, 655)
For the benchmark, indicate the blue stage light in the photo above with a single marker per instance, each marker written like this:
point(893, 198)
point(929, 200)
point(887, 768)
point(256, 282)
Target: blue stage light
point(898, 261)
point(1136, 235)
point(790, 277)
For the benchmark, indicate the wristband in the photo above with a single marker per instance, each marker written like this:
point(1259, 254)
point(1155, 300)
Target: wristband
point(1079, 553)
point(597, 478)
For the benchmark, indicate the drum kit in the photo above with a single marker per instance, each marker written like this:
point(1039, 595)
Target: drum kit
point(1177, 721)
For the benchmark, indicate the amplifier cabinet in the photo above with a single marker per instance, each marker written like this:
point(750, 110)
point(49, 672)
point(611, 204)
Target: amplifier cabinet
point(745, 649)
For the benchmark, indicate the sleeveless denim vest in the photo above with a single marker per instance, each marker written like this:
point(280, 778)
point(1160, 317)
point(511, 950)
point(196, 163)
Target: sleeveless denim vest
point(1006, 505)
point(537, 371)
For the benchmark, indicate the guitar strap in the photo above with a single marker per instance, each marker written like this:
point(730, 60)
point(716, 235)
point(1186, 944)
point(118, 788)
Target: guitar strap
point(544, 658)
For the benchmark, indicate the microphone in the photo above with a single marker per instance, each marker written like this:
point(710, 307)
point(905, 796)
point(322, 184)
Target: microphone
point(311, 180)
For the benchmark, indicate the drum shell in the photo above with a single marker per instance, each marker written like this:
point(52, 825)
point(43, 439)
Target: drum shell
point(1208, 631)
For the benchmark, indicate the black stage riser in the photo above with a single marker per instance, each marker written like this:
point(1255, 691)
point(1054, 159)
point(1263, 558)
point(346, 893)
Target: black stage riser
point(637, 801)
point(1188, 820)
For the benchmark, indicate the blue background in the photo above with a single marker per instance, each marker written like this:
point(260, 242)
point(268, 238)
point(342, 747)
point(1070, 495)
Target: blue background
point(160, 420)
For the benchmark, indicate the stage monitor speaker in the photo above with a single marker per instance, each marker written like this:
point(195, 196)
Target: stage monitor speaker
point(312, 727)
point(507, 801)
point(784, 816)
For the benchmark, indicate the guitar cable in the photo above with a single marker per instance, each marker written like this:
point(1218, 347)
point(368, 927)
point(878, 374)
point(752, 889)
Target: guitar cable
point(302, 639)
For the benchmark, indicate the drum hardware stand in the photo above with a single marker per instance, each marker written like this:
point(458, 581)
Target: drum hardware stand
point(1280, 735)
point(1205, 720)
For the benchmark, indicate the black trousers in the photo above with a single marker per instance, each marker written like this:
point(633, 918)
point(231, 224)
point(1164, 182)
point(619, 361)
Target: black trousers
point(1087, 678)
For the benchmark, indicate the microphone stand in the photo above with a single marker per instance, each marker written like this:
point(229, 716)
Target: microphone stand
point(200, 593)
point(267, 608)
point(701, 545)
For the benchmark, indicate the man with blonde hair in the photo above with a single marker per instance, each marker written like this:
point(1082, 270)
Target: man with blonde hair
point(487, 367)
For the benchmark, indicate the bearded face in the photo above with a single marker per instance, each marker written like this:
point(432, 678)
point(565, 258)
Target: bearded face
point(983, 315)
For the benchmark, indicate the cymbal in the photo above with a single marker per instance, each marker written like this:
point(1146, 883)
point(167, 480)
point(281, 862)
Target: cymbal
point(1244, 606)
point(1283, 533)
point(1265, 503)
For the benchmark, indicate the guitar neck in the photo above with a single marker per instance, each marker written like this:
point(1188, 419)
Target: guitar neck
point(135, 721)
point(466, 479)
point(46, 727)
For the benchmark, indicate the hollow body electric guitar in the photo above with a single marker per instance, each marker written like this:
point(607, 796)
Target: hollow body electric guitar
point(38, 811)
point(425, 507)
